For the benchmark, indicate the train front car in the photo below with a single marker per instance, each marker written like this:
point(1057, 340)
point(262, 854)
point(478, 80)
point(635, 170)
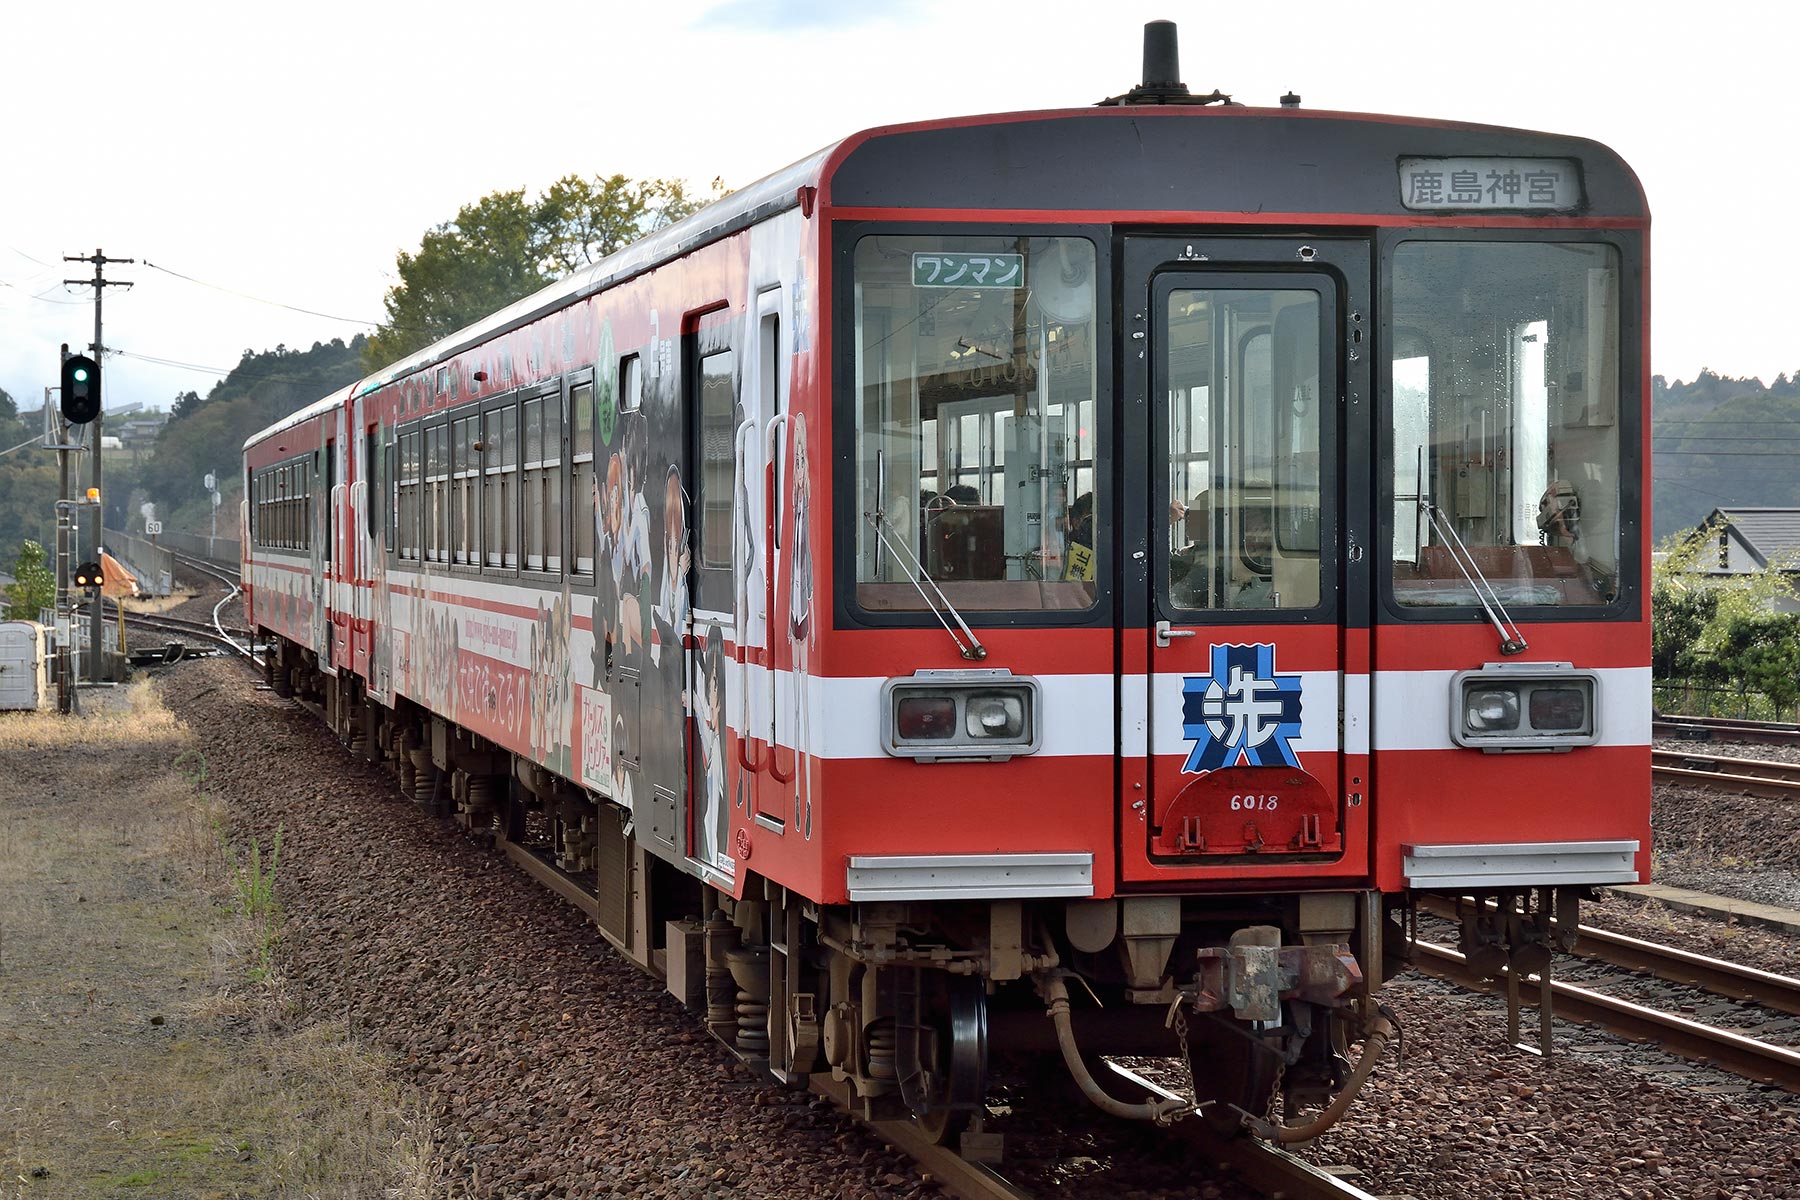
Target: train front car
point(1236, 530)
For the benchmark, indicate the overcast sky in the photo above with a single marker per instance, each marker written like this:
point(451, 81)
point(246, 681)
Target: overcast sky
point(286, 152)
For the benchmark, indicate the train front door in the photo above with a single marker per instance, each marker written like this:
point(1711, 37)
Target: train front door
point(1247, 402)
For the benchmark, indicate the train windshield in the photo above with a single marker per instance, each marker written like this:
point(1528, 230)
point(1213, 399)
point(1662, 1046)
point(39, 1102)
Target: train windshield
point(1505, 422)
point(975, 422)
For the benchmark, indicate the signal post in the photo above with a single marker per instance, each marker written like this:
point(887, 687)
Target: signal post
point(71, 377)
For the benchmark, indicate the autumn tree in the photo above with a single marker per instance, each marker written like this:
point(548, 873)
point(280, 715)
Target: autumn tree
point(508, 244)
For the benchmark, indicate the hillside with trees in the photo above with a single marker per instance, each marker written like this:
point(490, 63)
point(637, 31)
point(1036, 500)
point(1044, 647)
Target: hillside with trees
point(27, 486)
point(206, 433)
point(1722, 442)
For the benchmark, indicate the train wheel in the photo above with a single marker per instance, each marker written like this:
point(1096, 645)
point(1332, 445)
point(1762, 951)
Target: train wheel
point(1231, 1068)
point(950, 1084)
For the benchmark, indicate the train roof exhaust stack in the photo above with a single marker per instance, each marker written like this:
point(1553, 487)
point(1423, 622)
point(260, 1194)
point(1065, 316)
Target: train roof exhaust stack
point(1162, 73)
point(1162, 59)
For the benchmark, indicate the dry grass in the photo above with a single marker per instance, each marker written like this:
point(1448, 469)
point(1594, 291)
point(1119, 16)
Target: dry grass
point(149, 1044)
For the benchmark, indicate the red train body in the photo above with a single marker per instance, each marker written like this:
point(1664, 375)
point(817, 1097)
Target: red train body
point(1116, 541)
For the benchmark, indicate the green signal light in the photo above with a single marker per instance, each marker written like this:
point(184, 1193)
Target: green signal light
point(81, 374)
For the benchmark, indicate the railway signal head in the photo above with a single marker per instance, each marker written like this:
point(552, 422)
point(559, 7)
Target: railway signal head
point(80, 389)
point(88, 575)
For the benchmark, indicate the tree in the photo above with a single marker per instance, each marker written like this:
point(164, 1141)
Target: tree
point(1722, 631)
point(507, 245)
point(34, 585)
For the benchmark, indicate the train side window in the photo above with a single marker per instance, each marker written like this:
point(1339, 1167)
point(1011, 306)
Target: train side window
point(437, 543)
point(409, 495)
point(465, 515)
point(631, 384)
point(552, 482)
point(532, 479)
point(330, 487)
point(583, 484)
point(371, 477)
point(540, 490)
point(718, 406)
point(500, 499)
point(392, 451)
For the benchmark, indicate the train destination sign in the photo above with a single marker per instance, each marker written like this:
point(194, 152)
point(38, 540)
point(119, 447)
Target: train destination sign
point(939, 268)
point(1530, 184)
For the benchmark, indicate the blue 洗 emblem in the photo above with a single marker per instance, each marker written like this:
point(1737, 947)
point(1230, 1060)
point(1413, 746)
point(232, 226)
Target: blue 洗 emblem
point(1243, 711)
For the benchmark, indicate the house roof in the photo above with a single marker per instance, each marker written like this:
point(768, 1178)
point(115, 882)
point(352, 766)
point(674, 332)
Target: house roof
point(1771, 534)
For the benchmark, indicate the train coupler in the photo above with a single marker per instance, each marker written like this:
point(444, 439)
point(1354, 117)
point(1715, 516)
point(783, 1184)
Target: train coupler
point(1255, 973)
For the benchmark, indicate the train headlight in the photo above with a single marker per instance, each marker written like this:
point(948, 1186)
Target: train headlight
point(995, 714)
point(988, 715)
point(1494, 708)
point(1524, 706)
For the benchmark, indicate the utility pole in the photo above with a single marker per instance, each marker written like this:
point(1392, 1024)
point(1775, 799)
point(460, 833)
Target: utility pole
point(58, 435)
point(97, 618)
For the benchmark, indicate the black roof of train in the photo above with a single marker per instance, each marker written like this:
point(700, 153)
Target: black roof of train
point(1190, 159)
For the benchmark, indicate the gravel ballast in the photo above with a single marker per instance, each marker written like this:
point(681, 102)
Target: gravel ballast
point(554, 1068)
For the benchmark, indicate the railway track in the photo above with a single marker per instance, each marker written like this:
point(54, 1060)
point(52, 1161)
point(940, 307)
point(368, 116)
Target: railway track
point(1739, 776)
point(1720, 977)
point(230, 576)
point(1750, 1057)
point(225, 639)
point(1726, 729)
point(1271, 1171)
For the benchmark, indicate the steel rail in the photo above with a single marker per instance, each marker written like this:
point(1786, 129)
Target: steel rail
point(1738, 776)
point(1734, 1052)
point(1269, 1169)
point(1729, 980)
point(230, 577)
point(1726, 729)
point(954, 1173)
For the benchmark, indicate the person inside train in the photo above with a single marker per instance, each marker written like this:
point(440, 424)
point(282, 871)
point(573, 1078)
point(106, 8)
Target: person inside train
point(1190, 561)
point(962, 493)
point(1081, 521)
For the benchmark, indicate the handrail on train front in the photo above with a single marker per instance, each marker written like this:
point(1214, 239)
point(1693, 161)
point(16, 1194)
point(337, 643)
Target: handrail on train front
point(740, 572)
point(772, 526)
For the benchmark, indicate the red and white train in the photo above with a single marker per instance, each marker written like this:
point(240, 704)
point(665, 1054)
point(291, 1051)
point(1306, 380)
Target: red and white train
point(1082, 562)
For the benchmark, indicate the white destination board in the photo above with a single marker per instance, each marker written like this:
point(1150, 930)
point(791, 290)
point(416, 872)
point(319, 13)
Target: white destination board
point(1511, 184)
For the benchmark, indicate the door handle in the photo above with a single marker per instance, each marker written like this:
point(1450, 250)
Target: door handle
point(1164, 633)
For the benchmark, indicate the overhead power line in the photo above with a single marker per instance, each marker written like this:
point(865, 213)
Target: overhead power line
point(311, 312)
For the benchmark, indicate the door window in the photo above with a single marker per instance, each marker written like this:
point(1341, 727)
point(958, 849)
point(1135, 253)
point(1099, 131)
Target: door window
point(1243, 418)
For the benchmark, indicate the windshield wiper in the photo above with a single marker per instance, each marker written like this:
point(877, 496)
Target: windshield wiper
point(1510, 643)
point(972, 649)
